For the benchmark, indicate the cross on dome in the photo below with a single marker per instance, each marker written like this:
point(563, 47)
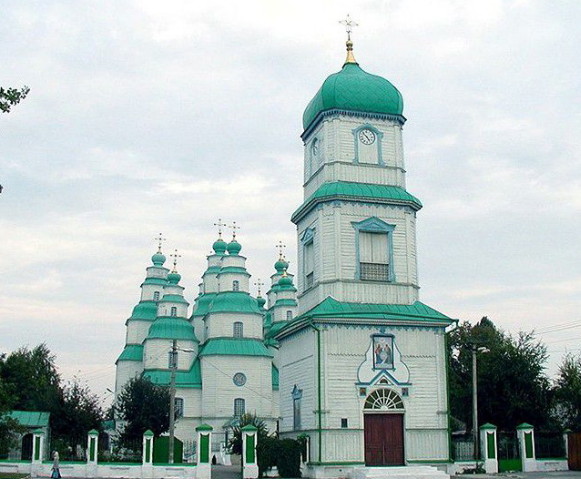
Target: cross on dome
point(175, 257)
point(259, 285)
point(349, 24)
point(220, 225)
point(234, 227)
point(280, 246)
point(160, 239)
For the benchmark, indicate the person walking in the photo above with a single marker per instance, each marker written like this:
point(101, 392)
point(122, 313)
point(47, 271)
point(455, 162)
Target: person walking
point(56, 473)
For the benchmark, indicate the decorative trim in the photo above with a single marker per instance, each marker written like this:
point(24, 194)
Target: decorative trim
point(374, 225)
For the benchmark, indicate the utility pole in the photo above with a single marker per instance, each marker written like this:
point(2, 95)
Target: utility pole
point(172, 397)
point(475, 350)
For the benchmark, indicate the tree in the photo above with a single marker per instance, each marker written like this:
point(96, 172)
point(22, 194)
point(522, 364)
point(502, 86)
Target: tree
point(144, 406)
point(235, 444)
point(512, 385)
point(11, 96)
point(568, 392)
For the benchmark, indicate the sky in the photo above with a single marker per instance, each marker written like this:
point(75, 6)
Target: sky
point(147, 117)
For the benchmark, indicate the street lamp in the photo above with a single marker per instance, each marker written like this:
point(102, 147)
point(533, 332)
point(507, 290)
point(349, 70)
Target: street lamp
point(475, 350)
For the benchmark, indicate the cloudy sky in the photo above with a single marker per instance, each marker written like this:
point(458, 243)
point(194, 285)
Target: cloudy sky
point(149, 116)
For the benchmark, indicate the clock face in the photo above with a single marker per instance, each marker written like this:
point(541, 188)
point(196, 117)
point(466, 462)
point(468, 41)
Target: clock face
point(366, 136)
point(239, 379)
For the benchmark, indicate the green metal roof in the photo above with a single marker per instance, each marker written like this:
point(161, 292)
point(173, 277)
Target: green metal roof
point(275, 328)
point(184, 379)
point(173, 298)
point(132, 352)
point(159, 281)
point(285, 302)
point(31, 418)
point(234, 302)
point(234, 269)
point(212, 270)
point(353, 89)
point(275, 378)
point(202, 304)
point(235, 347)
point(331, 309)
point(363, 192)
point(171, 327)
point(145, 310)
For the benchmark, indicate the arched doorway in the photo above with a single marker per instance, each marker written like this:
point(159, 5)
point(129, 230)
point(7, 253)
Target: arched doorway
point(26, 449)
point(383, 428)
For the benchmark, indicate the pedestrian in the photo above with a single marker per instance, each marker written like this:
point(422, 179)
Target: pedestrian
point(56, 473)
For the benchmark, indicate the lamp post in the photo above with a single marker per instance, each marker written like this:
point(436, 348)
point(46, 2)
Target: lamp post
point(475, 350)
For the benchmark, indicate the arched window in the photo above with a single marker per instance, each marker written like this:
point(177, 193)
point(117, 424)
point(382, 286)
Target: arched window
point(174, 311)
point(383, 400)
point(156, 296)
point(235, 285)
point(289, 315)
point(238, 329)
point(297, 395)
point(239, 407)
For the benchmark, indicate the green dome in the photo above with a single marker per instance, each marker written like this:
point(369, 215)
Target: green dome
point(174, 278)
point(234, 247)
point(261, 301)
point(171, 328)
point(285, 281)
point(219, 246)
point(146, 310)
point(158, 259)
point(280, 265)
point(354, 89)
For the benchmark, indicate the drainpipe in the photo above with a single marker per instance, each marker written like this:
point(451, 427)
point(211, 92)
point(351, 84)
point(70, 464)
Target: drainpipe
point(319, 398)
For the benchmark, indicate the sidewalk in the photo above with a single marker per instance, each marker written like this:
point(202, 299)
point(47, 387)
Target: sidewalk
point(525, 475)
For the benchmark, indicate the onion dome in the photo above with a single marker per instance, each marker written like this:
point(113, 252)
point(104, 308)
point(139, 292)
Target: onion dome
point(172, 328)
point(281, 265)
point(353, 89)
point(285, 281)
point(158, 259)
point(174, 277)
point(234, 247)
point(219, 246)
point(261, 301)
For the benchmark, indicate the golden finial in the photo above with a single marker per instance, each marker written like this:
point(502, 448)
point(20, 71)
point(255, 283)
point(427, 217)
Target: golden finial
point(220, 225)
point(175, 257)
point(160, 239)
point(259, 284)
point(280, 246)
point(234, 227)
point(349, 24)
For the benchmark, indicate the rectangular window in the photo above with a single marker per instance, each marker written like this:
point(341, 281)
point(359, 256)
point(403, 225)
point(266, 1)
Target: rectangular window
point(373, 256)
point(297, 414)
point(344, 422)
point(309, 263)
point(238, 329)
point(239, 407)
point(289, 315)
point(179, 408)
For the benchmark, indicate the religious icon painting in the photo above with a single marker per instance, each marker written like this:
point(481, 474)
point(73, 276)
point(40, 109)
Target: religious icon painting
point(382, 352)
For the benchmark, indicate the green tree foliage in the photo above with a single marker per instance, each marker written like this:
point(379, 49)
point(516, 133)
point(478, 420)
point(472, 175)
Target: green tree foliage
point(11, 96)
point(512, 385)
point(235, 443)
point(568, 392)
point(144, 406)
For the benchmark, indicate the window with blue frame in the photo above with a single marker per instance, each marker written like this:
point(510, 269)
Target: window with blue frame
point(374, 250)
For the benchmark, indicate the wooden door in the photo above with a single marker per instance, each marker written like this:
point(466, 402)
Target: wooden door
point(383, 439)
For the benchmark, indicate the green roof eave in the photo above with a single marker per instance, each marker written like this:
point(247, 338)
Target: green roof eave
point(173, 298)
point(172, 327)
point(212, 270)
point(331, 310)
point(285, 302)
point(145, 310)
point(235, 347)
point(159, 281)
point(184, 379)
point(202, 304)
point(132, 352)
point(234, 302)
point(234, 269)
point(358, 192)
point(31, 418)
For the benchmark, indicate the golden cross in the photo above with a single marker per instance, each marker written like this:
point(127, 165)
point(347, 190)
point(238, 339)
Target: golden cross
point(159, 240)
point(175, 257)
point(234, 227)
point(219, 224)
point(349, 24)
point(258, 284)
point(280, 246)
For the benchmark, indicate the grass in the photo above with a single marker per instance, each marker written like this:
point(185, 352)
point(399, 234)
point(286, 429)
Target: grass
point(13, 475)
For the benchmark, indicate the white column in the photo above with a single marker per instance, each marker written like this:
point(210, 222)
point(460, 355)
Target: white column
point(92, 446)
point(526, 440)
point(249, 441)
point(147, 455)
point(488, 448)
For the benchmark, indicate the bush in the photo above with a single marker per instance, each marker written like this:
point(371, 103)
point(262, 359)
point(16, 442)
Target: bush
point(288, 458)
point(266, 452)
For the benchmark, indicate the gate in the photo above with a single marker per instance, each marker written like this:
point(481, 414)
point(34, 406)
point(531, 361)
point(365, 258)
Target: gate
point(508, 452)
point(575, 451)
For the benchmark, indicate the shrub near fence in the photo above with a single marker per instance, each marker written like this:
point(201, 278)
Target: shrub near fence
point(549, 445)
point(72, 448)
point(129, 452)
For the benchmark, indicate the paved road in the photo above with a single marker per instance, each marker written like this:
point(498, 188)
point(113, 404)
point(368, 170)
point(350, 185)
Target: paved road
point(226, 472)
point(526, 475)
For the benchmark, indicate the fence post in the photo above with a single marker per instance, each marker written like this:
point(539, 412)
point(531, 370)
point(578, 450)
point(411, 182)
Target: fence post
point(92, 446)
point(37, 446)
point(566, 441)
point(249, 441)
point(147, 455)
point(203, 452)
point(526, 440)
point(488, 448)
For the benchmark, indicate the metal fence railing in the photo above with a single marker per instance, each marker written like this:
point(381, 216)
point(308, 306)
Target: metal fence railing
point(131, 451)
point(463, 448)
point(549, 445)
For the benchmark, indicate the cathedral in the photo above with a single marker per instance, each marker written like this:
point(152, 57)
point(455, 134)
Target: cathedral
point(344, 353)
